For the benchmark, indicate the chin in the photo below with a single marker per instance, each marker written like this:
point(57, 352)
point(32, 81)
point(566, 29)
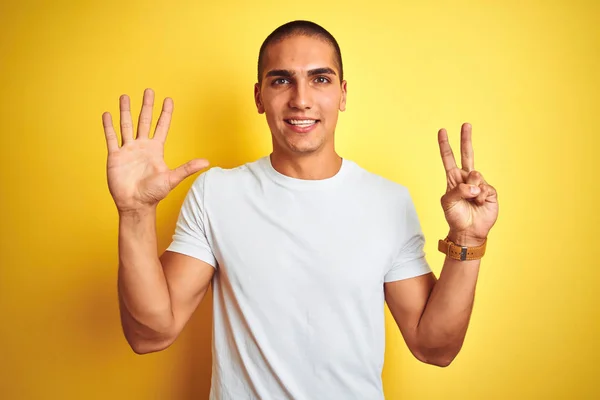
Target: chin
point(299, 144)
point(304, 150)
point(304, 146)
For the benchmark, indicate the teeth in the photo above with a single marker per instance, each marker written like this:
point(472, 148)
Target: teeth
point(302, 121)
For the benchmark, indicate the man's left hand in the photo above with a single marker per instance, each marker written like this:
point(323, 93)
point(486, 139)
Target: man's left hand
point(470, 203)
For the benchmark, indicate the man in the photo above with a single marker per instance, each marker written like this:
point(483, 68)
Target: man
point(302, 246)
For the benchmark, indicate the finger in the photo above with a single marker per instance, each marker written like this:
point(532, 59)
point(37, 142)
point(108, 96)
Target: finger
point(466, 148)
point(126, 122)
point(460, 192)
point(446, 150)
point(187, 169)
point(483, 194)
point(112, 142)
point(164, 121)
point(488, 194)
point(475, 178)
point(145, 120)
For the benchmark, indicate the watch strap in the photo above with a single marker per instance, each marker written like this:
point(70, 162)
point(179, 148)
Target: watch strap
point(462, 253)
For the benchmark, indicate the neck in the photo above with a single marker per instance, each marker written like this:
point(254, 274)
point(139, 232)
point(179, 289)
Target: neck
point(314, 166)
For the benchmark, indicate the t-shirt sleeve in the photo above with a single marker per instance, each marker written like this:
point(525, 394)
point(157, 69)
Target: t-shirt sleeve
point(191, 232)
point(410, 259)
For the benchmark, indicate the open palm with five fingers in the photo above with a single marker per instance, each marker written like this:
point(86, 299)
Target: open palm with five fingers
point(470, 204)
point(138, 177)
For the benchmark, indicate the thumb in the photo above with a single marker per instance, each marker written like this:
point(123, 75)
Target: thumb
point(191, 167)
point(460, 192)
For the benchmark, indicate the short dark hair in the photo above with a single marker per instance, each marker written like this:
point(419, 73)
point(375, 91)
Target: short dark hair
point(300, 28)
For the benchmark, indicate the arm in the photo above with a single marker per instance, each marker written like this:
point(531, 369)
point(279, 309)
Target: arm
point(156, 296)
point(433, 315)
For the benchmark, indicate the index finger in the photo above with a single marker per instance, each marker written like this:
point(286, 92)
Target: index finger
point(466, 148)
point(162, 126)
point(446, 150)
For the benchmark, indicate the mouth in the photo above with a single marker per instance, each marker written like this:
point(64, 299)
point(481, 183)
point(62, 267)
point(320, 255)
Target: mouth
point(302, 125)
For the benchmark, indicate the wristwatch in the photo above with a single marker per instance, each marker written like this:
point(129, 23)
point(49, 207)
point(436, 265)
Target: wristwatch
point(462, 253)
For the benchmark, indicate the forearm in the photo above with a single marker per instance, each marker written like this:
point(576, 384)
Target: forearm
point(443, 325)
point(144, 300)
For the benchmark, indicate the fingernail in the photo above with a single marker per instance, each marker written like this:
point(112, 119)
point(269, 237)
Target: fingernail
point(474, 189)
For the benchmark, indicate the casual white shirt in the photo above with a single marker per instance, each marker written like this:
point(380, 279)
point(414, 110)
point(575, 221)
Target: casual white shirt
point(300, 265)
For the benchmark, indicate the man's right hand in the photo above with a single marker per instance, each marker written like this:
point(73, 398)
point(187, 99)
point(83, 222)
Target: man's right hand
point(138, 177)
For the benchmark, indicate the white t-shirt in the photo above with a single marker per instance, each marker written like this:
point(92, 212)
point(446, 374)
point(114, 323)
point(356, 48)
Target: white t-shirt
point(298, 288)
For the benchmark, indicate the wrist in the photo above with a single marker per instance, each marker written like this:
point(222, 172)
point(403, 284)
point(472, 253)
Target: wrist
point(137, 213)
point(465, 239)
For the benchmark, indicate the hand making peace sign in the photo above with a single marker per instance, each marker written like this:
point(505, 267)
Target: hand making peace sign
point(470, 203)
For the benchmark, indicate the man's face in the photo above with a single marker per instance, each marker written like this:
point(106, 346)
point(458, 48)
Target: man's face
point(301, 94)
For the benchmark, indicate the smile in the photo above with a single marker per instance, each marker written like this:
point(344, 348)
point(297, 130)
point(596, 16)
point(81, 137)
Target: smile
point(302, 123)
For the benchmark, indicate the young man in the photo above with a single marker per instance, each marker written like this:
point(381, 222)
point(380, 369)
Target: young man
point(302, 246)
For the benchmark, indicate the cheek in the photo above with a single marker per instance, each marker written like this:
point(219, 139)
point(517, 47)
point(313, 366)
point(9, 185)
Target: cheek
point(274, 104)
point(273, 114)
point(332, 98)
point(331, 105)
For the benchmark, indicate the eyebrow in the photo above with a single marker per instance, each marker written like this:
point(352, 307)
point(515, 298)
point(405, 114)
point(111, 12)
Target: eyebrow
point(288, 74)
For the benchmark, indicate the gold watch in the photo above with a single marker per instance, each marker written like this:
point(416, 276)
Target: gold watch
point(462, 253)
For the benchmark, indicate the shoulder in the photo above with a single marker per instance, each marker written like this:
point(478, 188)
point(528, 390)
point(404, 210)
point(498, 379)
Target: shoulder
point(221, 178)
point(378, 185)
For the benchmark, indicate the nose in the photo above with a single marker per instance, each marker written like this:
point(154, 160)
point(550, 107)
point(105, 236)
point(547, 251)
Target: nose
point(301, 97)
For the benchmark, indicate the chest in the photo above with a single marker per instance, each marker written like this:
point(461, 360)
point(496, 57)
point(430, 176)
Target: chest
point(302, 245)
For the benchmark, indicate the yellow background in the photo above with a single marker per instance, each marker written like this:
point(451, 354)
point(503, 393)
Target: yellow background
point(525, 74)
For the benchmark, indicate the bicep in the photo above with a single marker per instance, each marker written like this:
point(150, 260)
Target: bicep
point(406, 300)
point(188, 279)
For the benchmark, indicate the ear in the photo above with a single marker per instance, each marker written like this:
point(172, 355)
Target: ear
point(257, 100)
point(343, 98)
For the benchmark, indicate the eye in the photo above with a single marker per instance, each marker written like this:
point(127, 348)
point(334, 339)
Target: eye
point(280, 81)
point(322, 79)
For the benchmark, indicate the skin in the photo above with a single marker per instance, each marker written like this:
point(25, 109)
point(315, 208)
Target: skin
point(299, 81)
point(433, 315)
point(158, 295)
